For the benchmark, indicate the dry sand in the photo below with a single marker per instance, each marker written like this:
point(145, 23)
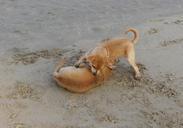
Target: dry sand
point(35, 34)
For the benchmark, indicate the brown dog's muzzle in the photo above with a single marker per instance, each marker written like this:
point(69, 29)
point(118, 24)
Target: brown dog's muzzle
point(82, 65)
point(76, 65)
point(87, 65)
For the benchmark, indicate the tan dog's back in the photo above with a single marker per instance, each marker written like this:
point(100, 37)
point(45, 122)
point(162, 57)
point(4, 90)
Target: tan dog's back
point(118, 47)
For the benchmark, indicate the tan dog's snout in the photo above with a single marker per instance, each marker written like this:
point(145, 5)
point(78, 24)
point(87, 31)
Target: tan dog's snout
point(93, 70)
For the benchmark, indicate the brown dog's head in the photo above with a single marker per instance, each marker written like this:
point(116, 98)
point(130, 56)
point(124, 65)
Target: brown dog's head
point(94, 62)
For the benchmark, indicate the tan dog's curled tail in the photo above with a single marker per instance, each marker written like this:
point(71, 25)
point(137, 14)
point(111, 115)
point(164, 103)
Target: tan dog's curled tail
point(136, 34)
point(59, 65)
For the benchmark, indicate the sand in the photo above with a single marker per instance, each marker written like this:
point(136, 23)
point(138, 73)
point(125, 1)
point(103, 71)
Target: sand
point(35, 35)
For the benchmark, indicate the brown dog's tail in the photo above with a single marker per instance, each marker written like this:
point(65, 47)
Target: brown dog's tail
point(136, 34)
point(59, 65)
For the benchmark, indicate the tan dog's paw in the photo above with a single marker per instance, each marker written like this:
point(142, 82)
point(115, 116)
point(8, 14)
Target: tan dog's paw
point(138, 77)
point(117, 60)
point(111, 66)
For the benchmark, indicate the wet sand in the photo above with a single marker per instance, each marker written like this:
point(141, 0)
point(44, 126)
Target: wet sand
point(35, 35)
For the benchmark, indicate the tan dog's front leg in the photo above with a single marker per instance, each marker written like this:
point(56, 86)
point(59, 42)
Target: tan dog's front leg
point(100, 76)
point(110, 63)
point(135, 67)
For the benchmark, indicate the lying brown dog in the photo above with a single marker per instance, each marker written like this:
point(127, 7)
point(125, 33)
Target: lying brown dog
point(107, 53)
point(79, 79)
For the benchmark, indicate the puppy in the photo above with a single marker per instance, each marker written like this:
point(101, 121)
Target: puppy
point(108, 53)
point(79, 79)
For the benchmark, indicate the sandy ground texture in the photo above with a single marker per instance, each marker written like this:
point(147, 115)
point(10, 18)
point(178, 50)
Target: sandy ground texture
point(36, 34)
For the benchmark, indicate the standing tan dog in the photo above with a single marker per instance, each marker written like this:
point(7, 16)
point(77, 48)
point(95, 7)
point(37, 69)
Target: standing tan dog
point(110, 51)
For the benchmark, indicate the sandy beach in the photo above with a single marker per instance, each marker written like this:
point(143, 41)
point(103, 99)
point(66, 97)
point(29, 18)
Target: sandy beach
point(36, 34)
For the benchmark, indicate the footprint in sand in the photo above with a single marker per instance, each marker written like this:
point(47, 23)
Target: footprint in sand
point(32, 57)
point(152, 31)
point(24, 91)
point(166, 43)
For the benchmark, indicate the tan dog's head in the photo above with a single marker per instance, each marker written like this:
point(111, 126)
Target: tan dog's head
point(94, 62)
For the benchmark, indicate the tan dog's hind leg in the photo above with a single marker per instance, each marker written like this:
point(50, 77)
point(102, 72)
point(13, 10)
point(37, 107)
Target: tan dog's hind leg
point(131, 60)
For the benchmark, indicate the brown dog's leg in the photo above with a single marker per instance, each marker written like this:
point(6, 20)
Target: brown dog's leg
point(131, 60)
